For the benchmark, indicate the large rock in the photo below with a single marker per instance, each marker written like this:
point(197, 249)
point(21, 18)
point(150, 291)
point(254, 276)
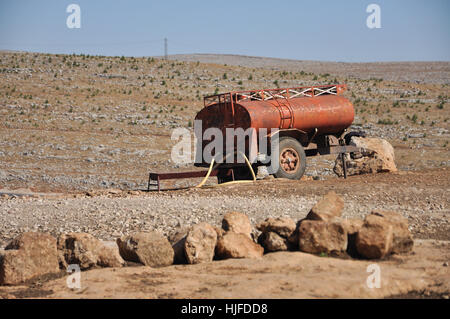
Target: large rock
point(238, 223)
point(177, 239)
point(87, 251)
point(374, 239)
point(327, 208)
point(282, 226)
point(321, 237)
point(150, 248)
point(276, 233)
point(234, 245)
point(28, 256)
point(273, 242)
point(352, 225)
point(200, 243)
point(379, 157)
point(402, 241)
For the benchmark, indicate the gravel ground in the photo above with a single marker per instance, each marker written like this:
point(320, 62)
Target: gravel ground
point(422, 197)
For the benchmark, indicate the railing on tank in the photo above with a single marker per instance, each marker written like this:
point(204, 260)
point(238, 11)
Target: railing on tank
point(271, 94)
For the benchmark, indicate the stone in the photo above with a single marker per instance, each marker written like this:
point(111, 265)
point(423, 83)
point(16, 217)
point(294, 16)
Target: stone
point(321, 237)
point(379, 157)
point(148, 248)
point(327, 208)
point(235, 245)
point(177, 240)
point(374, 239)
point(179, 253)
point(28, 256)
point(177, 234)
point(87, 251)
point(402, 241)
point(352, 225)
point(283, 226)
point(219, 231)
point(271, 242)
point(200, 243)
point(238, 223)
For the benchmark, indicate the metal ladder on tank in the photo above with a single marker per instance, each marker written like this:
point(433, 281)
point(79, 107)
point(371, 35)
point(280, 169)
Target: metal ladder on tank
point(283, 104)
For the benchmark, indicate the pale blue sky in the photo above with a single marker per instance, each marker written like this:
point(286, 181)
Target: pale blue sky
point(329, 30)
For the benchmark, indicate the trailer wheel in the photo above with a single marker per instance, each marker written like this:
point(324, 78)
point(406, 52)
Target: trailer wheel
point(292, 159)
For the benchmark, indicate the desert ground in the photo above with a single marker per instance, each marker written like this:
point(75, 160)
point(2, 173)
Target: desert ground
point(80, 133)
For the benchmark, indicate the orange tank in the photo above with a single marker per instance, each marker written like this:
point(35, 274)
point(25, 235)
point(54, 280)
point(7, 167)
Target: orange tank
point(329, 112)
point(303, 109)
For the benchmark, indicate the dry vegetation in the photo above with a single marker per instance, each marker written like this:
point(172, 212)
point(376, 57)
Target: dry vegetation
point(76, 122)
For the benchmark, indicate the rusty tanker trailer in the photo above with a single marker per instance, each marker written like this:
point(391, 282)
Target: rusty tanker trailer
point(307, 121)
point(303, 121)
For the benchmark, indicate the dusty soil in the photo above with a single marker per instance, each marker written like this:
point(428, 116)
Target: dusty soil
point(276, 275)
point(77, 123)
point(421, 196)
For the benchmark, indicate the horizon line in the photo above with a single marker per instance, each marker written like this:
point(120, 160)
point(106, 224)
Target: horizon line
point(229, 54)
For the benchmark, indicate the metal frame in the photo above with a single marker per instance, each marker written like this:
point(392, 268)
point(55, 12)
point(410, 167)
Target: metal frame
point(273, 94)
point(154, 179)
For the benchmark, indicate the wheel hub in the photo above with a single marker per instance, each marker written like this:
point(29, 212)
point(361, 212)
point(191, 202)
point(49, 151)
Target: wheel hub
point(289, 160)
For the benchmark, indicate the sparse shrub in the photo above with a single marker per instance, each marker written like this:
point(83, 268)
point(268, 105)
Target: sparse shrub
point(385, 122)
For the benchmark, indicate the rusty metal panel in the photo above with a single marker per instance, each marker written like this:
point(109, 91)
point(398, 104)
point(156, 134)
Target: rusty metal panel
point(315, 110)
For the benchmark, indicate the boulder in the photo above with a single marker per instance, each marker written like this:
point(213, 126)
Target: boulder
point(177, 240)
point(283, 226)
point(374, 239)
point(402, 241)
point(177, 234)
point(352, 225)
point(327, 208)
point(149, 248)
point(271, 242)
point(179, 256)
point(276, 233)
point(378, 157)
point(321, 237)
point(219, 231)
point(235, 245)
point(200, 243)
point(28, 256)
point(87, 251)
point(238, 223)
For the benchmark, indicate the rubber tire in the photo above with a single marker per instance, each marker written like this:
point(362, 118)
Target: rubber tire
point(289, 142)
